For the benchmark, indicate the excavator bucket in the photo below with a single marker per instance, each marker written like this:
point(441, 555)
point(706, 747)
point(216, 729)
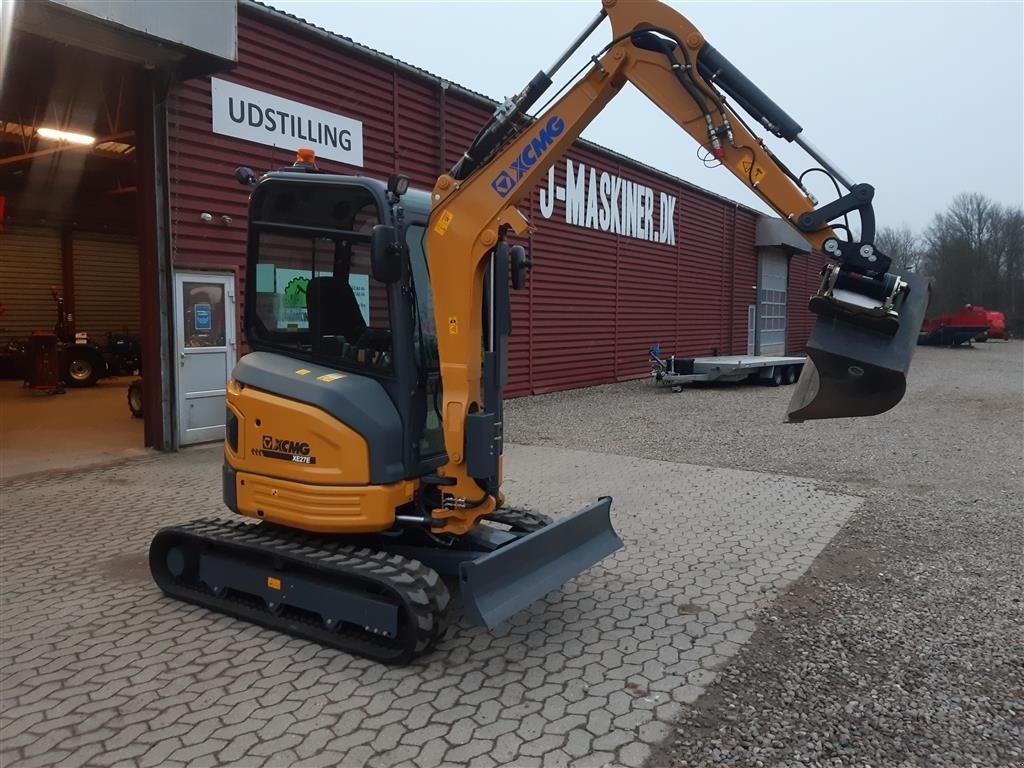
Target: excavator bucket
point(854, 370)
point(504, 582)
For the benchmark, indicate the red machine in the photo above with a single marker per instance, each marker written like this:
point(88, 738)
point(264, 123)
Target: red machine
point(963, 327)
point(996, 325)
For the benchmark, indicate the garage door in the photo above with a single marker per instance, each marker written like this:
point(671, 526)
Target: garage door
point(773, 280)
point(30, 263)
point(106, 283)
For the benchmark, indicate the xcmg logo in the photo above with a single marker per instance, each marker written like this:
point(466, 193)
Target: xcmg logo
point(285, 446)
point(285, 450)
point(506, 181)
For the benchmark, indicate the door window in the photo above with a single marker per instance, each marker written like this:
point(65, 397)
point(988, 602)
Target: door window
point(431, 442)
point(203, 307)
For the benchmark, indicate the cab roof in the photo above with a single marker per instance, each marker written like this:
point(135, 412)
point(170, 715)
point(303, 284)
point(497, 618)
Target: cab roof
point(415, 201)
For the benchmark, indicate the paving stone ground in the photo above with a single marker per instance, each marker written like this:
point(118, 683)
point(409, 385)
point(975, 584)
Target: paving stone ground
point(98, 668)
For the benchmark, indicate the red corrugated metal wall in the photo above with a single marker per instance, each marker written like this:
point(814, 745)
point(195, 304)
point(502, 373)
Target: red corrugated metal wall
point(742, 278)
point(804, 278)
point(646, 283)
point(595, 301)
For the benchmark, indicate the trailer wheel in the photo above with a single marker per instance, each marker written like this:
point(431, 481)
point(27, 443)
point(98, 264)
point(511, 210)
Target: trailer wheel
point(777, 377)
point(792, 374)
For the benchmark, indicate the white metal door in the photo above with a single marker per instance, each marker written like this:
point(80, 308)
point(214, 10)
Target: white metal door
point(773, 282)
point(204, 310)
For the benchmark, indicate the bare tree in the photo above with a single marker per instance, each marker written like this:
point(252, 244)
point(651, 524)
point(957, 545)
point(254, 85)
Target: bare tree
point(973, 250)
point(1010, 243)
point(902, 246)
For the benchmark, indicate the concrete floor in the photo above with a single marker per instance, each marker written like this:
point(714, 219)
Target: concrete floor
point(81, 428)
point(97, 668)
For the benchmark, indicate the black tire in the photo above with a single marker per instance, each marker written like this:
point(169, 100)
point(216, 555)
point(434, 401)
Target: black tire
point(777, 377)
point(135, 398)
point(792, 374)
point(81, 367)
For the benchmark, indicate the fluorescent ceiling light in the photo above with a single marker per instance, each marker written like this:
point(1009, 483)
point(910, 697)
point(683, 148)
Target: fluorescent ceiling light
point(74, 138)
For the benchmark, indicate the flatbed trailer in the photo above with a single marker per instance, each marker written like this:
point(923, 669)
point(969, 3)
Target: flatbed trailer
point(678, 371)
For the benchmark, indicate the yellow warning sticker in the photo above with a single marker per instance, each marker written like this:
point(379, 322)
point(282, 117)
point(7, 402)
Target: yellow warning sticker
point(453, 326)
point(443, 222)
point(329, 377)
point(303, 372)
point(754, 176)
point(273, 583)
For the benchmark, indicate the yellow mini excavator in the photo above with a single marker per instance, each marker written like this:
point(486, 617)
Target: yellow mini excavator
point(364, 433)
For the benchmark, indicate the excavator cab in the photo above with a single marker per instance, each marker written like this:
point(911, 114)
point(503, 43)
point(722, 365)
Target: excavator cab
point(339, 313)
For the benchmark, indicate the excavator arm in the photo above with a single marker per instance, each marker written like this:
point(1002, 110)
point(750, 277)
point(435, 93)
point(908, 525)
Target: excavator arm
point(865, 312)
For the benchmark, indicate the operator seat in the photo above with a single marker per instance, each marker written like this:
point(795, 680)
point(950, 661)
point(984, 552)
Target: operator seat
point(333, 312)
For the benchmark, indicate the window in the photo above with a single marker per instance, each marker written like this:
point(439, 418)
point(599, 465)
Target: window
point(314, 295)
point(286, 266)
point(431, 442)
point(425, 327)
point(204, 314)
point(772, 314)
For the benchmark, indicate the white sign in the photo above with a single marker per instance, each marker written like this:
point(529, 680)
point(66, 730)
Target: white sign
point(246, 113)
point(609, 203)
point(361, 289)
point(290, 288)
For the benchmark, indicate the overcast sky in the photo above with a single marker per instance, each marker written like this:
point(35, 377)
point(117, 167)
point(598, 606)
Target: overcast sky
point(922, 100)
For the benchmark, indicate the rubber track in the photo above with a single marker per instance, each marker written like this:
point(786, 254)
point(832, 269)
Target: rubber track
point(519, 520)
point(422, 594)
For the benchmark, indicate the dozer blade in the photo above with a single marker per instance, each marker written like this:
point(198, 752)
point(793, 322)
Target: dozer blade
point(504, 582)
point(857, 371)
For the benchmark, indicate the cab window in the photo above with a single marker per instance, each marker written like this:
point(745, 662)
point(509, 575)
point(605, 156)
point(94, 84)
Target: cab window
point(314, 295)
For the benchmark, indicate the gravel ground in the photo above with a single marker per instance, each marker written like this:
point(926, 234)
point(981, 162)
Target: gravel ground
point(902, 645)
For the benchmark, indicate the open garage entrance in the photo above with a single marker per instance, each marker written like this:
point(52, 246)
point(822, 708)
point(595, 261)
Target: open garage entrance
point(85, 285)
point(69, 257)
